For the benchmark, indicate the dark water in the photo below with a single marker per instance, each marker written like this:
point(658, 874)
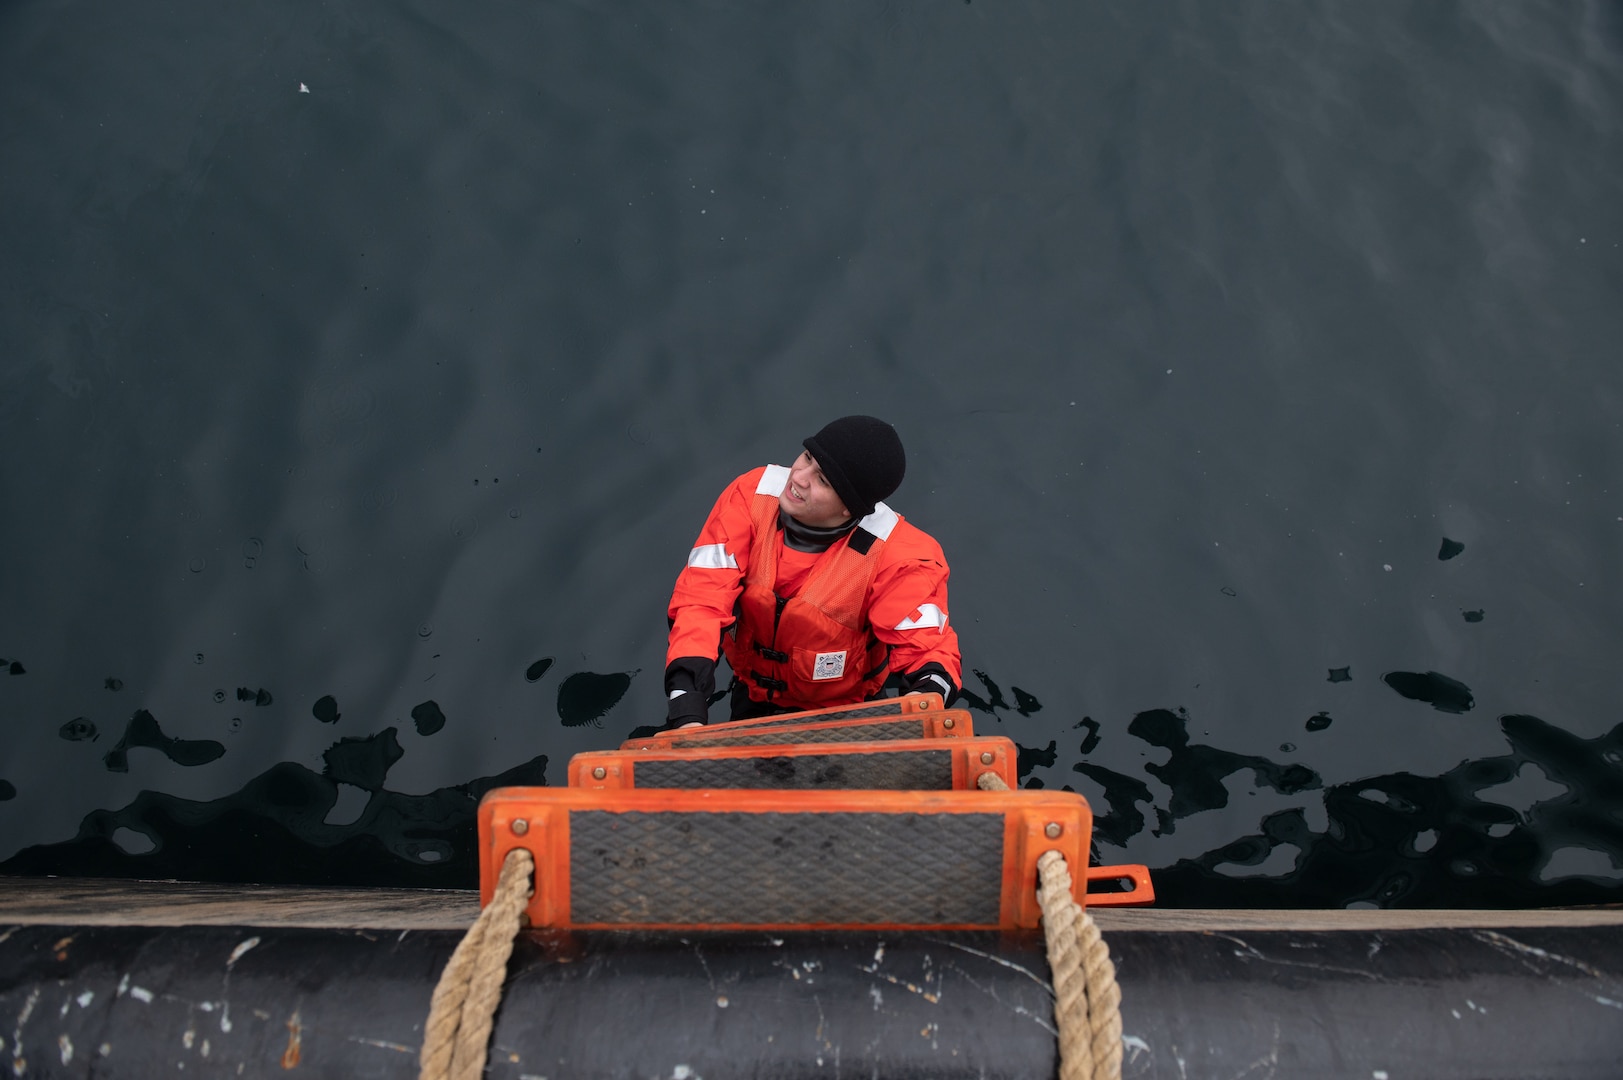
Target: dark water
point(1259, 366)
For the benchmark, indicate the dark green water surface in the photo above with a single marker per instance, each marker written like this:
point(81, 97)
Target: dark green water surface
point(367, 369)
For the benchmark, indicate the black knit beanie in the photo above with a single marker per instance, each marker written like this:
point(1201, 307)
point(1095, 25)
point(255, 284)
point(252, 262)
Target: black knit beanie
point(862, 458)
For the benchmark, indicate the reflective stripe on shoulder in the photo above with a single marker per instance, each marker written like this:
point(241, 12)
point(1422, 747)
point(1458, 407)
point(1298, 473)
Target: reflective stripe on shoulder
point(880, 522)
point(926, 615)
point(773, 481)
point(712, 557)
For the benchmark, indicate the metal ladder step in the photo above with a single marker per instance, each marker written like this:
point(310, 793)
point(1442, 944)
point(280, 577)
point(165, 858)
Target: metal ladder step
point(783, 860)
point(900, 765)
point(938, 724)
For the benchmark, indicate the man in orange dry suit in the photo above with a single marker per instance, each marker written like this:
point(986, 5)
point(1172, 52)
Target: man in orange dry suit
point(814, 589)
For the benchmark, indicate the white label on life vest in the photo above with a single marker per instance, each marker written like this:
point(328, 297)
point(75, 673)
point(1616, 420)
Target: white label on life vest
point(829, 665)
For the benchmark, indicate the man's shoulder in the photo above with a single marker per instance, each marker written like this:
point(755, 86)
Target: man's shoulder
point(762, 480)
point(914, 542)
point(902, 539)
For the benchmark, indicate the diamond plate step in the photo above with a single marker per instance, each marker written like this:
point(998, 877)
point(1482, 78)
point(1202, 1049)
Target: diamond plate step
point(903, 765)
point(712, 859)
point(945, 724)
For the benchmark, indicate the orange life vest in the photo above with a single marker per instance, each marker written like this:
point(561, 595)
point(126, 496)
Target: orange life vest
point(815, 648)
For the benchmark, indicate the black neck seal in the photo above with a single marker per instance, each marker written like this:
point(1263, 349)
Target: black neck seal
point(809, 538)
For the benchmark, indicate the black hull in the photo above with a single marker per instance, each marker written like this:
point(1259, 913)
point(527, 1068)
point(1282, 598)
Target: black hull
point(1217, 998)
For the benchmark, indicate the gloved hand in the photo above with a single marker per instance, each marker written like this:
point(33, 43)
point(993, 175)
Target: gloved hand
point(687, 708)
point(932, 678)
point(689, 681)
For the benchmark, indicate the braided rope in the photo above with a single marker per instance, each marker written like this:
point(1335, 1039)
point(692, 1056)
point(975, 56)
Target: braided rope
point(463, 1010)
point(1087, 1001)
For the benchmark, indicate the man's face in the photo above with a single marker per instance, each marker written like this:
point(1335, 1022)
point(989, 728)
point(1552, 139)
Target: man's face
point(809, 499)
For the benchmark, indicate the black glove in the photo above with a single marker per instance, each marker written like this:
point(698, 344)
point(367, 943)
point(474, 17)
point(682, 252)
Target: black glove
point(686, 708)
point(932, 678)
point(692, 679)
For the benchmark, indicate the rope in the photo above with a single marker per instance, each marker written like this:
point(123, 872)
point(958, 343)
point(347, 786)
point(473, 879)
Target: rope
point(1087, 1001)
point(463, 1009)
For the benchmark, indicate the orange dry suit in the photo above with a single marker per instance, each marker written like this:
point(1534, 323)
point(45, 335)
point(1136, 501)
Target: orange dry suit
point(805, 630)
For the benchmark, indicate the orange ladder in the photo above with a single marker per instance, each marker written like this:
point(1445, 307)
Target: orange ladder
point(867, 816)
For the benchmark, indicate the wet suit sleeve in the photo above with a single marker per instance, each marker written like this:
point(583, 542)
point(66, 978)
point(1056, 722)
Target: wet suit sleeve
point(909, 613)
point(702, 603)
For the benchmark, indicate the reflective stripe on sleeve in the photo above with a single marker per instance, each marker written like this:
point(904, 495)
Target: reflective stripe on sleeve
point(712, 557)
point(927, 615)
